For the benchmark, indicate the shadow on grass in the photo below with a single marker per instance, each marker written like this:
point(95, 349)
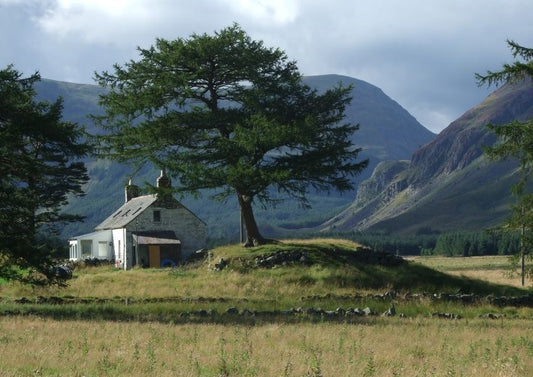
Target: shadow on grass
point(364, 269)
point(118, 314)
point(334, 270)
point(417, 278)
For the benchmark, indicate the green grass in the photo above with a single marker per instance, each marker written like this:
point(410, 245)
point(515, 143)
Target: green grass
point(335, 278)
point(176, 322)
point(336, 265)
point(489, 262)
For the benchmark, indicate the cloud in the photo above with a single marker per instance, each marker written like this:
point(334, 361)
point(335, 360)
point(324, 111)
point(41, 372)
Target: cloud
point(99, 21)
point(266, 12)
point(422, 53)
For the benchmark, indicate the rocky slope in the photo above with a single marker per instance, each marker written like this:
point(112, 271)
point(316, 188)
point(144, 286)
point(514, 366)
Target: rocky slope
point(449, 184)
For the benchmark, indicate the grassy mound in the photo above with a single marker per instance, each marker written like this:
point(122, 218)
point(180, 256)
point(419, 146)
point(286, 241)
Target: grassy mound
point(341, 264)
point(324, 274)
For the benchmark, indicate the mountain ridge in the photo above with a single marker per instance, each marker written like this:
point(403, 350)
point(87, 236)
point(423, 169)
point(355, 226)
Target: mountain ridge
point(449, 184)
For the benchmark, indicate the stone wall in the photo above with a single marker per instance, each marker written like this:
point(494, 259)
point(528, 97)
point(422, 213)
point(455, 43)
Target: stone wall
point(189, 229)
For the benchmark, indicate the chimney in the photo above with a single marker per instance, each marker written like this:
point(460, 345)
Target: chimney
point(131, 191)
point(164, 186)
point(163, 181)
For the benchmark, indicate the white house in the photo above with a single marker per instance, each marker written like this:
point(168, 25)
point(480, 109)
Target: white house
point(93, 245)
point(148, 230)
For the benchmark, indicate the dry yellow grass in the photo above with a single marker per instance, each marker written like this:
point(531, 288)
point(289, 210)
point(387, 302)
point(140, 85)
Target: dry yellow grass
point(502, 276)
point(386, 347)
point(494, 269)
point(153, 283)
point(415, 346)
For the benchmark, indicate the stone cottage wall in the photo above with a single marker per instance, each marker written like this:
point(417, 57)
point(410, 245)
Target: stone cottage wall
point(189, 229)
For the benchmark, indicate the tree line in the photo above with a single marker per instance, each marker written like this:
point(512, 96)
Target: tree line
point(467, 244)
point(453, 244)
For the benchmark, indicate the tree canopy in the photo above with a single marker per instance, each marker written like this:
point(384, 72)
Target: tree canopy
point(223, 112)
point(515, 140)
point(39, 169)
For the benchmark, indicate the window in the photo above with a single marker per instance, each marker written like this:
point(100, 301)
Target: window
point(86, 249)
point(74, 251)
point(102, 249)
point(157, 216)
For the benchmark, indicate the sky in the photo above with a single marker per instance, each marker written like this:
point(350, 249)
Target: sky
point(421, 53)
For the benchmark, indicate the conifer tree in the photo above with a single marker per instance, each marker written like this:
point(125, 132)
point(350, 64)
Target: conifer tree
point(225, 113)
point(516, 141)
point(39, 168)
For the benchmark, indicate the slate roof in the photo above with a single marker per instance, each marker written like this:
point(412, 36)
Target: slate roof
point(165, 237)
point(127, 213)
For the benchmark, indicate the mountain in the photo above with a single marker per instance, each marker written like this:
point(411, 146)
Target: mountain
point(448, 184)
point(79, 100)
point(387, 132)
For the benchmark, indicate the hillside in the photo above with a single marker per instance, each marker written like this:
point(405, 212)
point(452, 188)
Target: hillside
point(378, 115)
point(388, 131)
point(79, 100)
point(448, 185)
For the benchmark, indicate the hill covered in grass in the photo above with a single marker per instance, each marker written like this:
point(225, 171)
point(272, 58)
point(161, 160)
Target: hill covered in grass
point(292, 280)
point(331, 266)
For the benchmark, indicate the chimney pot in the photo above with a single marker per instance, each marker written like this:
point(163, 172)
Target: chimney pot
point(163, 181)
point(131, 191)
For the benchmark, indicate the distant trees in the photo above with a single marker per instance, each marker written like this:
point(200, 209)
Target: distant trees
point(39, 169)
point(225, 113)
point(467, 244)
point(516, 141)
point(393, 243)
point(452, 244)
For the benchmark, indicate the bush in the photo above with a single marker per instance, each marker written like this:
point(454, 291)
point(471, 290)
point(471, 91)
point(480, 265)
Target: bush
point(90, 262)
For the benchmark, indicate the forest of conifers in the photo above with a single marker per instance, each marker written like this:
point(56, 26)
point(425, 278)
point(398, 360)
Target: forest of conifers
point(445, 244)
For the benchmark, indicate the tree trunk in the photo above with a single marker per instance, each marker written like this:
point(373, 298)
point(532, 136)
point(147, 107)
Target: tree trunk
point(253, 237)
point(523, 253)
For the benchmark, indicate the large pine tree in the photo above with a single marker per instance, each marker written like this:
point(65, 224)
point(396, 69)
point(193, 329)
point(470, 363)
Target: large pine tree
point(224, 112)
point(39, 169)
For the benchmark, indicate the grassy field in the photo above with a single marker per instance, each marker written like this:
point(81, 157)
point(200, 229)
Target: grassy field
point(494, 269)
point(175, 322)
point(32, 346)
